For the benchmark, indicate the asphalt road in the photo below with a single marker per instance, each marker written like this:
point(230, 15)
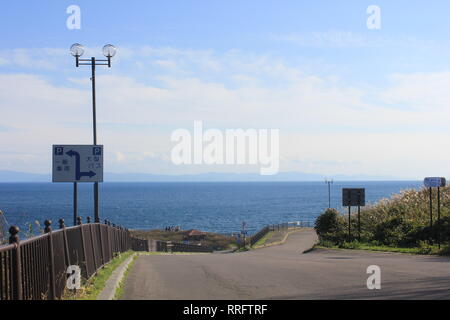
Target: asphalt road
point(284, 272)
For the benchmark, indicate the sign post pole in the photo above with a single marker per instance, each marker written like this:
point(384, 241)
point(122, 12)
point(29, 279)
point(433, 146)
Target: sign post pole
point(359, 223)
point(435, 182)
point(349, 229)
point(354, 197)
point(431, 207)
point(439, 217)
point(75, 203)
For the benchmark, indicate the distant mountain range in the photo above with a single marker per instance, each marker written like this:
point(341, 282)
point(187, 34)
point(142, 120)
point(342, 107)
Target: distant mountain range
point(14, 176)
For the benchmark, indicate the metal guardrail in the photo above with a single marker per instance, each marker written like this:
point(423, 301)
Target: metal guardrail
point(183, 247)
point(171, 246)
point(36, 268)
point(3, 229)
point(276, 227)
point(139, 245)
point(302, 224)
point(259, 235)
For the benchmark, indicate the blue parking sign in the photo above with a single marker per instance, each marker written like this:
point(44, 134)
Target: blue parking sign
point(97, 151)
point(59, 151)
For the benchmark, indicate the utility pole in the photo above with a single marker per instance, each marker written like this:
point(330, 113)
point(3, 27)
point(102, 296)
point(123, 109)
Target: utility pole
point(329, 183)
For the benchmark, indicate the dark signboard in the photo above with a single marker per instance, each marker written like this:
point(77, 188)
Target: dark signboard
point(434, 182)
point(353, 197)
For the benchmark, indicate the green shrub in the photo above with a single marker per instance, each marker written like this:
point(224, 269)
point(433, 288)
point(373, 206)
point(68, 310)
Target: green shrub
point(326, 243)
point(425, 247)
point(400, 221)
point(445, 251)
point(440, 228)
point(394, 232)
point(330, 226)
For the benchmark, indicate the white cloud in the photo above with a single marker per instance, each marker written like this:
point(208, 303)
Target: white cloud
point(421, 91)
point(120, 157)
point(349, 39)
point(331, 127)
point(37, 58)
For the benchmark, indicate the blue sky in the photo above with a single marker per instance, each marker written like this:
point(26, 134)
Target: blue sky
point(251, 26)
point(309, 68)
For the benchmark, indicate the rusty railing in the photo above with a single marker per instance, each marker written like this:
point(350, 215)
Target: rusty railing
point(36, 268)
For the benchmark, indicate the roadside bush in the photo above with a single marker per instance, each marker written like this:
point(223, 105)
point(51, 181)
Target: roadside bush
point(395, 232)
point(444, 225)
point(445, 251)
point(400, 221)
point(330, 226)
point(425, 247)
point(428, 233)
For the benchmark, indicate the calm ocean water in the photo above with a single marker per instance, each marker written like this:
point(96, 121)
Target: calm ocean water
point(209, 206)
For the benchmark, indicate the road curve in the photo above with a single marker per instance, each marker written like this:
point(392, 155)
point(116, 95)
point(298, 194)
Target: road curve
point(284, 272)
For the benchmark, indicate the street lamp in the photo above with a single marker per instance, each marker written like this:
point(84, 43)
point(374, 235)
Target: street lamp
point(77, 51)
point(109, 51)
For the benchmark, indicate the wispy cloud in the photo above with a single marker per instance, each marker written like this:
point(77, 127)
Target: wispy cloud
point(350, 39)
point(319, 116)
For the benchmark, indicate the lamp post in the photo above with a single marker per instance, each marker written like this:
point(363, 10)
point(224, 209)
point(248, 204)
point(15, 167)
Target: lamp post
point(77, 51)
point(329, 182)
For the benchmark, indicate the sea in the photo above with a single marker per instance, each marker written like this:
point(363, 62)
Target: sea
point(220, 207)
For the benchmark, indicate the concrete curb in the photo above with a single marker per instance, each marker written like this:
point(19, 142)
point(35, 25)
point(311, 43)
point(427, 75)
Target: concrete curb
point(279, 242)
point(113, 282)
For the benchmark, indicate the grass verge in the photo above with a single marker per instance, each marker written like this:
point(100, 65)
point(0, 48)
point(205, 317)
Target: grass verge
point(423, 250)
point(119, 291)
point(264, 239)
point(242, 249)
point(158, 253)
point(91, 288)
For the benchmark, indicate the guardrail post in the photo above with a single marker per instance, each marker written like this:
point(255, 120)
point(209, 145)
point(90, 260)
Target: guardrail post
point(83, 246)
point(119, 241)
point(110, 239)
point(92, 242)
point(16, 274)
point(66, 244)
point(101, 243)
point(51, 259)
point(108, 245)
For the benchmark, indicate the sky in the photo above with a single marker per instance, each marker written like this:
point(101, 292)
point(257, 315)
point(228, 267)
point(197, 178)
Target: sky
point(347, 99)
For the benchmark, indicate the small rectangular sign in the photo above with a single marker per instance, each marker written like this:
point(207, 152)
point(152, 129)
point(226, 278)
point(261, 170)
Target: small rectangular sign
point(353, 197)
point(77, 163)
point(434, 182)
